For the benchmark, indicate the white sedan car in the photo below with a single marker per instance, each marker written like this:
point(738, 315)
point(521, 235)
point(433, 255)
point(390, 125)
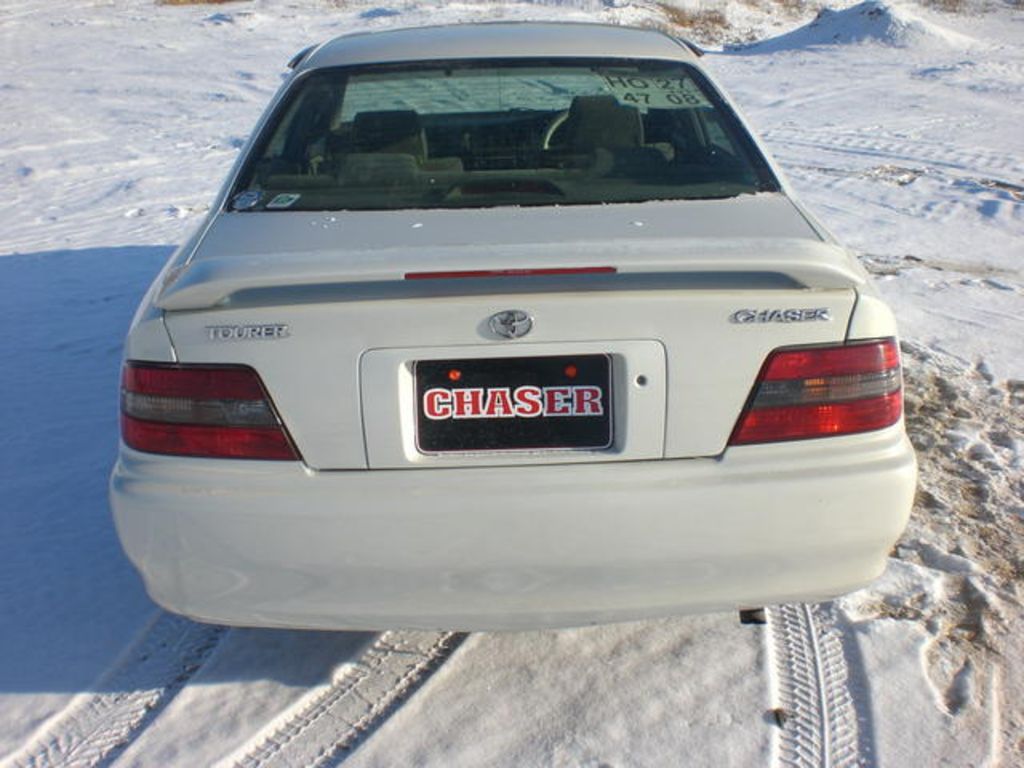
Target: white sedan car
point(507, 326)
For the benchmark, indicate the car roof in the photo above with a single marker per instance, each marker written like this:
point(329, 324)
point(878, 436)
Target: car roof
point(497, 40)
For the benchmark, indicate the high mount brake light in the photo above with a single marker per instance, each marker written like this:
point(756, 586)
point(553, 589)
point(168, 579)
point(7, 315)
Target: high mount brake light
point(200, 410)
point(527, 272)
point(811, 392)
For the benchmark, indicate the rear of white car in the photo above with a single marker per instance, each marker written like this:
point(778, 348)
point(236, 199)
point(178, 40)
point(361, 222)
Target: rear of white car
point(519, 330)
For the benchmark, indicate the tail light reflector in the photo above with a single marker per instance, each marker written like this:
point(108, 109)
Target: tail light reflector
point(200, 410)
point(811, 392)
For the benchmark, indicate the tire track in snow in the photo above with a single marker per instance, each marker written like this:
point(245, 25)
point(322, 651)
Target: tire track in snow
point(947, 156)
point(819, 727)
point(329, 723)
point(95, 727)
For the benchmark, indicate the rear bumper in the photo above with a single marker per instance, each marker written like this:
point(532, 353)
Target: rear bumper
point(274, 544)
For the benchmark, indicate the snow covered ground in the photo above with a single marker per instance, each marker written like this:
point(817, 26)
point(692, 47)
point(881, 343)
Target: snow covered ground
point(899, 126)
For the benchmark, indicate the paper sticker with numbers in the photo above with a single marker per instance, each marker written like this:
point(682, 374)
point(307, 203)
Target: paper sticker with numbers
point(661, 91)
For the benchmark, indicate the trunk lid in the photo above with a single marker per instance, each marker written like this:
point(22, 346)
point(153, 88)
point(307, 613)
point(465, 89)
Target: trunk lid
point(320, 306)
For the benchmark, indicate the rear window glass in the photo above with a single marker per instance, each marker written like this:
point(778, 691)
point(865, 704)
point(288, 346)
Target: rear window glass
point(480, 134)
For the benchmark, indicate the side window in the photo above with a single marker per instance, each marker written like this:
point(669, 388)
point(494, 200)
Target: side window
point(715, 132)
point(306, 124)
point(275, 147)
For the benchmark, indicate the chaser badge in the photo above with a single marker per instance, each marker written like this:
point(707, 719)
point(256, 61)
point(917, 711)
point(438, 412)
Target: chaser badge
point(514, 403)
point(526, 402)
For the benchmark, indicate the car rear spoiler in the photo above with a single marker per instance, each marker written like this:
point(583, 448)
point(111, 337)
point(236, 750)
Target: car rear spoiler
point(776, 264)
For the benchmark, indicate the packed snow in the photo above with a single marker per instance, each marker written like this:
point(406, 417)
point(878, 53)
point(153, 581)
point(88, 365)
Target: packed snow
point(899, 125)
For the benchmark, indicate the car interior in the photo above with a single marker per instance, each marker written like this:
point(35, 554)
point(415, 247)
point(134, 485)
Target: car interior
point(596, 150)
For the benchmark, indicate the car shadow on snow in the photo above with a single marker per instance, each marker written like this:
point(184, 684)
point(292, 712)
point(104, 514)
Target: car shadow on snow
point(73, 609)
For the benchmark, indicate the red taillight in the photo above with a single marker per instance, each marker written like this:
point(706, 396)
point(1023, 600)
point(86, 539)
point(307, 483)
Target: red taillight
point(200, 410)
point(811, 392)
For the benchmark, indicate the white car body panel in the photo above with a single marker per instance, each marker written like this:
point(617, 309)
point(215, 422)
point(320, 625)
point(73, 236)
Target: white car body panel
point(499, 40)
point(315, 376)
point(366, 531)
point(273, 544)
point(755, 233)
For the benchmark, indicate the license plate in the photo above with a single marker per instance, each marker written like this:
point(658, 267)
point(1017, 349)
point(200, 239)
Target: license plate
point(513, 403)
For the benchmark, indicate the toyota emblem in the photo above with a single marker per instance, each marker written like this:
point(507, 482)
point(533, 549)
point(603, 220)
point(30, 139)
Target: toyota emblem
point(511, 324)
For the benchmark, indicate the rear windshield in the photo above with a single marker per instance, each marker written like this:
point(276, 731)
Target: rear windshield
point(481, 134)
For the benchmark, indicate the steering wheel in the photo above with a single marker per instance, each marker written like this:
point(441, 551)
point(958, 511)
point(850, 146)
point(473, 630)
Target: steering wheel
point(556, 122)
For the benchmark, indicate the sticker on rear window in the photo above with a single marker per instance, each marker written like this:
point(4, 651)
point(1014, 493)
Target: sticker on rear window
point(658, 91)
point(245, 201)
point(285, 200)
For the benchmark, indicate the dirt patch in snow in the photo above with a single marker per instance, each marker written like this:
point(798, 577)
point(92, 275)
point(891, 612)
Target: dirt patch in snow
point(968, 431)
point(960, 563)
point(728, 23)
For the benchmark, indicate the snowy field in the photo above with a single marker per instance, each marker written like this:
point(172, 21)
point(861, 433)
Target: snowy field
point(900, 126)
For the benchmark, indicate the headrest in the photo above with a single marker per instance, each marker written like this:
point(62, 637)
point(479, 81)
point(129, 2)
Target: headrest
point(391, 131)
point(600, 121)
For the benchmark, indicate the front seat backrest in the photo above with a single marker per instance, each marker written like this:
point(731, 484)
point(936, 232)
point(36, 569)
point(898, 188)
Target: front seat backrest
point(600, 121)
point(396, 132)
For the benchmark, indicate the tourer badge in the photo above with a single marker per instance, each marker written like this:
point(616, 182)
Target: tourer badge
point(261, 332)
